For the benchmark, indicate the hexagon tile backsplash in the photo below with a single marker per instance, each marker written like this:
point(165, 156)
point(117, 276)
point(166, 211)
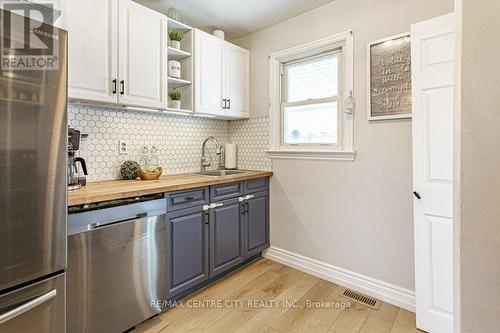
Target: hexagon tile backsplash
point(178, 139)
point(252, 139)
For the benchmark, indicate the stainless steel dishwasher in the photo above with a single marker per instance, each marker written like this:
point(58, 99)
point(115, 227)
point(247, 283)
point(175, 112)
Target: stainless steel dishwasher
point(116, 263)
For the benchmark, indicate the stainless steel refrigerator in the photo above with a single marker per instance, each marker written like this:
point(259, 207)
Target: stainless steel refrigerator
point(33, 140)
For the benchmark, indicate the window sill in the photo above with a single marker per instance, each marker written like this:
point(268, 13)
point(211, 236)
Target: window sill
point(312, 155)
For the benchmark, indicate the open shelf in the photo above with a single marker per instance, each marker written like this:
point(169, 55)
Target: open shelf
point(176, 54)
point(174, 82)
point(173, 24)
point(184, 56)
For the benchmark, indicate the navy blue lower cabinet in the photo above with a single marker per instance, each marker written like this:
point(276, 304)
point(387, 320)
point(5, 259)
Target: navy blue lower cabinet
point(256, 216)
point(187, 241)
point(226, 236)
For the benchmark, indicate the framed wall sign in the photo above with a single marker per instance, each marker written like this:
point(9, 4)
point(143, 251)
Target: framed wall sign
point(389, 78)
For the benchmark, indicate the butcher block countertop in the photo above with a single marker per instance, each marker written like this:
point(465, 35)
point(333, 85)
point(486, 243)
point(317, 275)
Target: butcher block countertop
point(119, 189)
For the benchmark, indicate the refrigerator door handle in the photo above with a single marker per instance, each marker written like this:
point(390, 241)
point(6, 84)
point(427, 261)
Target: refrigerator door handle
point(9, 315)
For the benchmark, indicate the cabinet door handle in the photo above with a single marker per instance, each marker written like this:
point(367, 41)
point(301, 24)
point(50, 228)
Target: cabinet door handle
point(212, 205)
point(114, 86)
point(246, 197)
point(207, 218)
point(417, 195)
point(224, 103)
point(247, 208)
point(122, 87)
point(242, 209)
point(229, 104)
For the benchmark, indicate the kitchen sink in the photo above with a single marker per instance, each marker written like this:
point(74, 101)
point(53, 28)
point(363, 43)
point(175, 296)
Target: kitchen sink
point(218, 173)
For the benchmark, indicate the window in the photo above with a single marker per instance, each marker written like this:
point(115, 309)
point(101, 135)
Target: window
point(309, 118)
point(309, 100)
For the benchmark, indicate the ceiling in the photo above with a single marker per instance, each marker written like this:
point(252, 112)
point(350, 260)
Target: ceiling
point(236, 17)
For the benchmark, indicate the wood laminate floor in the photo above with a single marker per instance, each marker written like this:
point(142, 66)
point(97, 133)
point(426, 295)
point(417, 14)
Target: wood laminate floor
point(266, 296)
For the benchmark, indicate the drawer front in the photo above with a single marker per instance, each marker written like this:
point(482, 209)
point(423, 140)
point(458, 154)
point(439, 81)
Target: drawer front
point(36, 308)
point(225, 191)
point(257, 185)
point(187, 199)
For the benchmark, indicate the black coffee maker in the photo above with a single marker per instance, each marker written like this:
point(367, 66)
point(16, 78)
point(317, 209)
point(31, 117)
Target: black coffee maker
point(74, 181)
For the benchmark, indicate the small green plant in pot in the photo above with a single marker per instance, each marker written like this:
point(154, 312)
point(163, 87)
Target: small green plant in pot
point(175, 98)
point(175, 37)
point(130, 170)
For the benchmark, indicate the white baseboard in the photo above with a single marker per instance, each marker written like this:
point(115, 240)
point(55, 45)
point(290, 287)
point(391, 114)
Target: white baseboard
point(401, 297)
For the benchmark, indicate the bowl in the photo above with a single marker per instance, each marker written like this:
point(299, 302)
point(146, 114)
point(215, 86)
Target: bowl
point(146, 174)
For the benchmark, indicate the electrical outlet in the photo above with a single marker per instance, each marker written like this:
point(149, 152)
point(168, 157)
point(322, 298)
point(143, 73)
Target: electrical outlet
point(123, 147)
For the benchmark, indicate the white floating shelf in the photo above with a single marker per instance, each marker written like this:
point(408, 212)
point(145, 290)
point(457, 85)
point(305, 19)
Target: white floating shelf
point(174, 82)
point(176, 54)
point(173, 24)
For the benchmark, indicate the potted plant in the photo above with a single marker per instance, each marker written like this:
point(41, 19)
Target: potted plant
point(175, 98)
point(175, 37)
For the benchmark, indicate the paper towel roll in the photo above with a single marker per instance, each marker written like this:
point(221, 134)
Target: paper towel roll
point(231, 156)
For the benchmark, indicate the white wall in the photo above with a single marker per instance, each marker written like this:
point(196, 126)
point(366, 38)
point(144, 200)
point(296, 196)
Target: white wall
point(354, 215)
point(478, 233)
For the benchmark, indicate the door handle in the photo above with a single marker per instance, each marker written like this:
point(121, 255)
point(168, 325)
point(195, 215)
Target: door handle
point(110, 223)
point(246, 197)
point(213, 205)
point(114, 86)
point(9, 315)
point(417, 195)
point(122, 87)
point(247, 207)
point(224, 103)
point(229, 104)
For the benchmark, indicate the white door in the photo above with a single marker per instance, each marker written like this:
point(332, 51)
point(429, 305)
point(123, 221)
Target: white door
point(92, 44)
point(142, 56)
point(209, 74)
point(433, 53)
point(237, 81)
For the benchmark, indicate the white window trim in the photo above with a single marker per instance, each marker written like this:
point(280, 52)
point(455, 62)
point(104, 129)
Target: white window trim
point(345, 152)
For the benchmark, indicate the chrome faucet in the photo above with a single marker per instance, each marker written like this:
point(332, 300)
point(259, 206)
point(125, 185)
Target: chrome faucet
point(204, 162)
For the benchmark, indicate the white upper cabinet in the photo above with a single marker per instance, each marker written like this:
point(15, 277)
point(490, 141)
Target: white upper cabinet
point(237, 81)
point(117, 52)
point(142, 56)
point(92, 44)
point(222, 77)
point(209, 74)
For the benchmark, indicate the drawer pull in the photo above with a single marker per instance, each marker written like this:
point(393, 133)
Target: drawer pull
point(213, 205)
point(9, 315)
point(246, 197)
point(189, 198)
